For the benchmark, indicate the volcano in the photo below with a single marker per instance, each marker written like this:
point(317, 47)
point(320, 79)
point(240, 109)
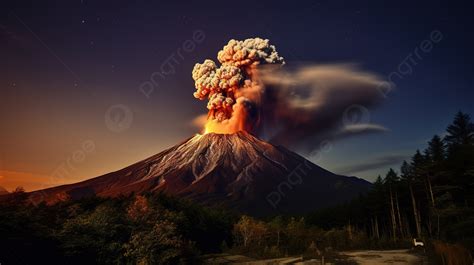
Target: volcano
point(236, 171)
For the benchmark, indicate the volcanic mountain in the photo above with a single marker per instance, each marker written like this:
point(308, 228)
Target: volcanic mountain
point(236, 171)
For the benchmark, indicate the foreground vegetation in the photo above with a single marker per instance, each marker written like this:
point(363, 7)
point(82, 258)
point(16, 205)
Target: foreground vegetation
point(144, 229)
point(432, 198)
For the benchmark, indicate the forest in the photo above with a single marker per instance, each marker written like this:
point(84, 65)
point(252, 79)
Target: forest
point(430, 197)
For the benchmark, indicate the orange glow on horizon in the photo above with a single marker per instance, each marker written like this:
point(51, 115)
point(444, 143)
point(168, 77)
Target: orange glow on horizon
point(10, 180)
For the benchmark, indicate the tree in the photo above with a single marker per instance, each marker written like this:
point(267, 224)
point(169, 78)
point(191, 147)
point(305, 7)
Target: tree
point(249, 230)
point(376, 199)
point(96, 234)
point(139, 208)
point(461, 131)
point(160, 245)
point(17, 197)
point(277, 224)
point(420, 170)
point(418, 165)
point(391, 180)
point(434, 156)
point(460, 157)
point(436, 150)
point(407, 175)
point(296, 233)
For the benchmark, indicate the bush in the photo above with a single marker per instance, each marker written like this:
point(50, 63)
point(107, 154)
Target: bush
point(451, 254)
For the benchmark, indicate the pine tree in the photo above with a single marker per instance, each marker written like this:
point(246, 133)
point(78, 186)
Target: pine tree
point(435, 157)
point(391, 180)
point(460, 157)
point(407, 175)
point(436, 150)
point(376, 198)
point(461, 131)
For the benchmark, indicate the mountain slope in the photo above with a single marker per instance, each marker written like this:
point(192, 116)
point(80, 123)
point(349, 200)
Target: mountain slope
point(232, 170)
point(3, 191)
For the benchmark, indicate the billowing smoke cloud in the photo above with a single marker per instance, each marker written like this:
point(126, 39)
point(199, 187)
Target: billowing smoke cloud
point(305, 105)
point(298, 106)
point(249, 52)
point(231, 88)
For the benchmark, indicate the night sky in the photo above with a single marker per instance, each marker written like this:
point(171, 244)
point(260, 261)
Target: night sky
point(71, 69)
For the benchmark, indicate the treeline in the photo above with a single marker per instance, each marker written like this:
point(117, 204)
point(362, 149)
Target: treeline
point(153, 229)
point(430, 197)
point(137, 229)
point(294, 236)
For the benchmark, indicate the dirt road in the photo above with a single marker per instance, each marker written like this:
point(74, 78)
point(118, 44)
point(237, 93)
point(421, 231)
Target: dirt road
point(394, 257)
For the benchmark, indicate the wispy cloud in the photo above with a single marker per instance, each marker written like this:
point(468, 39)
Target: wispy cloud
point(376, 163)
point(362, 128)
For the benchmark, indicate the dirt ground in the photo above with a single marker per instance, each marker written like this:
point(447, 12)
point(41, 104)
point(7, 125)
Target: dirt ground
point(394, 257)
point(364, 257)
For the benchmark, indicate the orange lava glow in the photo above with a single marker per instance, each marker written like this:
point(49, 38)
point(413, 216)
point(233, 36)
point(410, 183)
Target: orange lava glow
point(237, 122)
point(235, 118)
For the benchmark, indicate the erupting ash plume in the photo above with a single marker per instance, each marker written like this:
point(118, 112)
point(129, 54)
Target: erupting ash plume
point(232, 89)
point(295, 106)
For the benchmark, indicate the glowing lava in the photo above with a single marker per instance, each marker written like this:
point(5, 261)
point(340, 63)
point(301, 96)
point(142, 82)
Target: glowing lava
point(235, 123)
